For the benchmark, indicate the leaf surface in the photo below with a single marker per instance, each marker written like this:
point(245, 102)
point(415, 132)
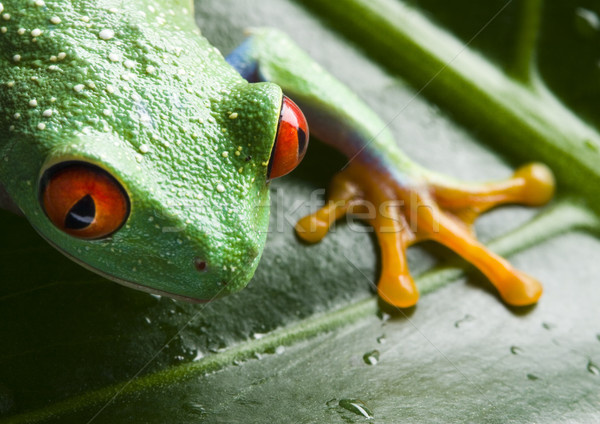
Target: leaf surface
point(456, 86)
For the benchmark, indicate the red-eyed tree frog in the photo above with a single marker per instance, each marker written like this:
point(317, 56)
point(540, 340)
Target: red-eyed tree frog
point(137, 150)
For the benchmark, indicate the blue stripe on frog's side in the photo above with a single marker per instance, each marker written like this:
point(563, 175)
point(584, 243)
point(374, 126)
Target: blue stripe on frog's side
point(243, 62)
point(350, 127)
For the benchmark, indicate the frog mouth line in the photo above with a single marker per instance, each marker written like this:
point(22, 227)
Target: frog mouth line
point(121, 281)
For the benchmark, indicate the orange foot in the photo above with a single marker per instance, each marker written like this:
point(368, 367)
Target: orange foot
point(432, 209)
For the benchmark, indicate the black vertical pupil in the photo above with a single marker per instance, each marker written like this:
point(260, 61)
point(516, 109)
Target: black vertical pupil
point(82, 214)
point(301, 141)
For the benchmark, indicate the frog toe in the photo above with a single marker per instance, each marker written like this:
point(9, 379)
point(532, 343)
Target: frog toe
point(537, 184)
point(520, 289)
point(398, 290)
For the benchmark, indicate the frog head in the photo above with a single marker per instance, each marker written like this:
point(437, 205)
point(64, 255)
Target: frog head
point(143, 156)
point(184, 214)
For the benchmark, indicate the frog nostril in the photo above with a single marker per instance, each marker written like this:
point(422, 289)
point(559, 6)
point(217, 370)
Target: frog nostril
point(199, 264)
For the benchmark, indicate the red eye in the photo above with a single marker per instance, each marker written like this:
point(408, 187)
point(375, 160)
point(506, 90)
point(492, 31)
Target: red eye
point(291, 142)
point(83, 200)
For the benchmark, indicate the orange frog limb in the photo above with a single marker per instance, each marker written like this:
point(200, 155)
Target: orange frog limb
point(431, 209)
point(404, 202)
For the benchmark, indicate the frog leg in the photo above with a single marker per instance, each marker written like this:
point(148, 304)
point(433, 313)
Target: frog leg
point(531, 185)
point(396, 285)
point(351, 193)
point(411, 211)
point(343, 195)
point(515, 287)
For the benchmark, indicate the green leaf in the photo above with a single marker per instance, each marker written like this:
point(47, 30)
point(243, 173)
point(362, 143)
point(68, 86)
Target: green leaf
point(291, 347)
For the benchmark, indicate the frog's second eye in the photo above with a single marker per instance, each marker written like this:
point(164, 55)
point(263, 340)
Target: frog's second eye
point(291, 142)
point(83, 200)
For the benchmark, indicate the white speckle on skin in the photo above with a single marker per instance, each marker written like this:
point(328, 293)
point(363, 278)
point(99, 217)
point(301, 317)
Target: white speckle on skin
point(10, 84)
point(107, 112)
point(17, 115)
point(150, 69)
point(17, 58)
point(225, 154)
point(11, 128)
point(52, 99)
point(79, 88)
point(114, 57)
point(85, 19)
point(53, 68)
point(47, 113)
point(106, 34)
point(40, 3)
point(181, 72)
point(33, 103)
point(144, 148)
point(6, 16)
point(53, 58)
point(1, 8)
point(139, 158)
point(113, 10)
point(36, 32)
point(129, 64)
point(136, 97)
point(21, 31)
point(161, 21)
point(234, 115)
point(110, 89)
point(41, 126)
point(61, 55)
point(55, 20)
point(220, 188)
point(152, 9)
point(3, 30)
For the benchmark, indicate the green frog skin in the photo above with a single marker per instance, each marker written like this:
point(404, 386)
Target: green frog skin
point(136, 149)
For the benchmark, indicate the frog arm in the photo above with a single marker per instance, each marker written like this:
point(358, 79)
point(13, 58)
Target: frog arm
point(402, 201)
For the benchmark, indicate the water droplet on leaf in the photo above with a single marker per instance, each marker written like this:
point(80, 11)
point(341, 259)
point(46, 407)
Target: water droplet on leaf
point(357, 407)
point(371, 358)
point(548, 326)
point(467, 318)
point(593, 368)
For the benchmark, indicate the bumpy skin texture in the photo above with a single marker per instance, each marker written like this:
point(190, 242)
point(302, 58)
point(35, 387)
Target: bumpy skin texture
point(133, 88)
